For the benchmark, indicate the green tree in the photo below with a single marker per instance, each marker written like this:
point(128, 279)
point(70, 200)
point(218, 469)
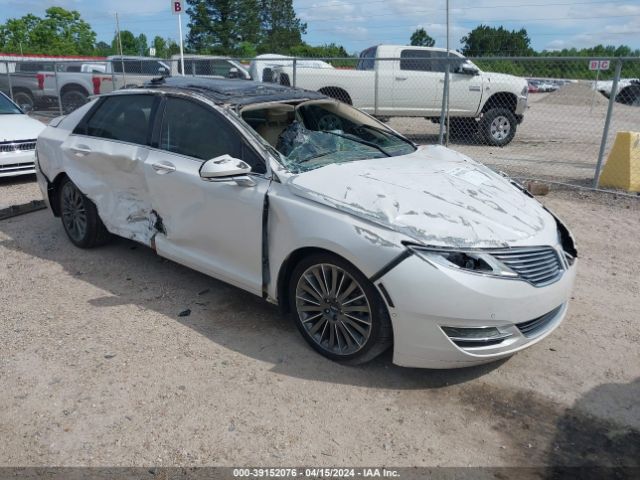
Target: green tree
point(103, 49)
point(129, 41)
point(160, 44)
point(142, 45)
point(223, 26)
point(60, 32)
point(420, 38)
point(488, 41)
point(281, 28)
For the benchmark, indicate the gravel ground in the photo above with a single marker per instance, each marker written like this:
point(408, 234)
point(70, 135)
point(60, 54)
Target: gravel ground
point(558, 140)
point(98, 368)
point(18, 190)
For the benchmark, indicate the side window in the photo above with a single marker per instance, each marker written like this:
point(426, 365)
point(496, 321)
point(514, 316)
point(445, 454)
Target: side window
point(195, 130)
point(416, 60)
point(125, 118)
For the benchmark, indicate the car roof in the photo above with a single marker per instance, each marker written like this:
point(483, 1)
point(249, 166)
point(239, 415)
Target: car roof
point(234, 91)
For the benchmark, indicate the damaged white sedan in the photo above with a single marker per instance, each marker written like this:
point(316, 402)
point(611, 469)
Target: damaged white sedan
point(367, 239)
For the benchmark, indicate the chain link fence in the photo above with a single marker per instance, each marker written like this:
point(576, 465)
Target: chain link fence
point(545, 118)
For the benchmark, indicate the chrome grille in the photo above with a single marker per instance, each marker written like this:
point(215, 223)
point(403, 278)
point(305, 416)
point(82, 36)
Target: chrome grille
point(537, 265)
point(17, 167)
point(531, 328)
point(20, 146)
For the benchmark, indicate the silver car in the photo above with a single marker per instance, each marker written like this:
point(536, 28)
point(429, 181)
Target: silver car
point(367, 239)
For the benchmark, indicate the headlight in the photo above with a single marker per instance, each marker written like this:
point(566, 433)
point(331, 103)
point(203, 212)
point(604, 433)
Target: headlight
point(525, 91)
point(467, 260)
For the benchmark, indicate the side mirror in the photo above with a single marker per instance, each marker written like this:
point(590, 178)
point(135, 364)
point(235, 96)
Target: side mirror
point(26, 108)
point(467, 69)
point(225, 168)
point(233, 72)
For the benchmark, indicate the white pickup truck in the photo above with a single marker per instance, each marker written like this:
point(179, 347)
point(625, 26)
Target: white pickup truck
point(402, 81)
point(75, 82)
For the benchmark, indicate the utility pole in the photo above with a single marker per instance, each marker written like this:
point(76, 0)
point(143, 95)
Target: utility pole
point(124, 78)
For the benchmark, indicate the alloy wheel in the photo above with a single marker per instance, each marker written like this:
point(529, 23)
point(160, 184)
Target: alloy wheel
point(74, 213)
point(333, 309)
point(500, 128)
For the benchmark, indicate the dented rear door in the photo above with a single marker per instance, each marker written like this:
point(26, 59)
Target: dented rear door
point(105, 157)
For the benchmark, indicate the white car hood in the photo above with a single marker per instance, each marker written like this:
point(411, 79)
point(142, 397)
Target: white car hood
point(435, 196)
point(19, 127)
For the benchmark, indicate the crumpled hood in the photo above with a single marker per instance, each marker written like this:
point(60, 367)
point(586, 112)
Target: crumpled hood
point(435, 196)
point(19, 127)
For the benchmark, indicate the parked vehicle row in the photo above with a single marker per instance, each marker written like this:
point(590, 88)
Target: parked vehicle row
point(369, 240)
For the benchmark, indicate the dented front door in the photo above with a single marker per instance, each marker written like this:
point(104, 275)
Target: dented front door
point(213, 227)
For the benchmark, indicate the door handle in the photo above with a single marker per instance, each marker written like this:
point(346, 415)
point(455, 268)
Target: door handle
point(163, 167)
point(441, 81)
point(401, 78)
point(81, 150)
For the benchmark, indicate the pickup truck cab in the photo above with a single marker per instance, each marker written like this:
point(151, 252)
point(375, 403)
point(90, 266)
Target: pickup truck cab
point(76, 82)
point(407, 81)
point(208, 66)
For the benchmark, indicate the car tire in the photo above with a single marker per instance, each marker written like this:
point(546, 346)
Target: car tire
point(498, 126)
point(338, 310)
point(80, 217)
point(72, 99)
point(22, 97)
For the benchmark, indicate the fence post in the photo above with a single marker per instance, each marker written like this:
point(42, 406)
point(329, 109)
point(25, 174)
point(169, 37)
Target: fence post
point(295, 61)
point(9, 79)
point(375, 86)
point(55, 75)
point(113, 75)
point(445, 106)
point(607, 123)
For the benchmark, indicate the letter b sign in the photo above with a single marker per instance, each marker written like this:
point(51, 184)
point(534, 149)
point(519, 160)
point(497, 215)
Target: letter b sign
point(176, 7)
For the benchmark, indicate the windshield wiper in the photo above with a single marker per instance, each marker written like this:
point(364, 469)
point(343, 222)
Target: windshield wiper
point(359, 140)
point(318, 156)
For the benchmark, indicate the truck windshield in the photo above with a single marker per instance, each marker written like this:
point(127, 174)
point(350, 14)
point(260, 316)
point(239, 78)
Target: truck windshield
point(316, 134)
point(7, 107)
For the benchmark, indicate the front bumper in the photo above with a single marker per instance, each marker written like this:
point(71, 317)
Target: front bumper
point(521, 105)
point(427, 298)
point(17, 163)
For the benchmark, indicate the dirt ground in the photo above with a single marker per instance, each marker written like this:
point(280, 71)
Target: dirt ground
point(98, 368)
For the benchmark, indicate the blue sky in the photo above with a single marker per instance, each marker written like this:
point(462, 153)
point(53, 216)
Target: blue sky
point(357, 24)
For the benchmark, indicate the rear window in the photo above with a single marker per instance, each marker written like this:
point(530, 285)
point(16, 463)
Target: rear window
point(32, 67)
point(137, 67)
point(205, 67)
point(125, 118)
point(367, 59)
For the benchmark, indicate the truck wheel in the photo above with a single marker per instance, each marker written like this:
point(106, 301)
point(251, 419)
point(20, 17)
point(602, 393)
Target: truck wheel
point(498, 126)
point(73, 98)
point(23, 97)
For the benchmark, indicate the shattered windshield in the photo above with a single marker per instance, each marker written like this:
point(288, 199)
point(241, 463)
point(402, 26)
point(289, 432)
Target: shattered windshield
point(316, 134)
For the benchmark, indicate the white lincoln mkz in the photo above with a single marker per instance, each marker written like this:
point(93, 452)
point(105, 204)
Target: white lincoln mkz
point(368, 240)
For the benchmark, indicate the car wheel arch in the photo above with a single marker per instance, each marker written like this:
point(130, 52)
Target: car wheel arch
point(289, 264)
point(53, 191)
point(501, 100)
